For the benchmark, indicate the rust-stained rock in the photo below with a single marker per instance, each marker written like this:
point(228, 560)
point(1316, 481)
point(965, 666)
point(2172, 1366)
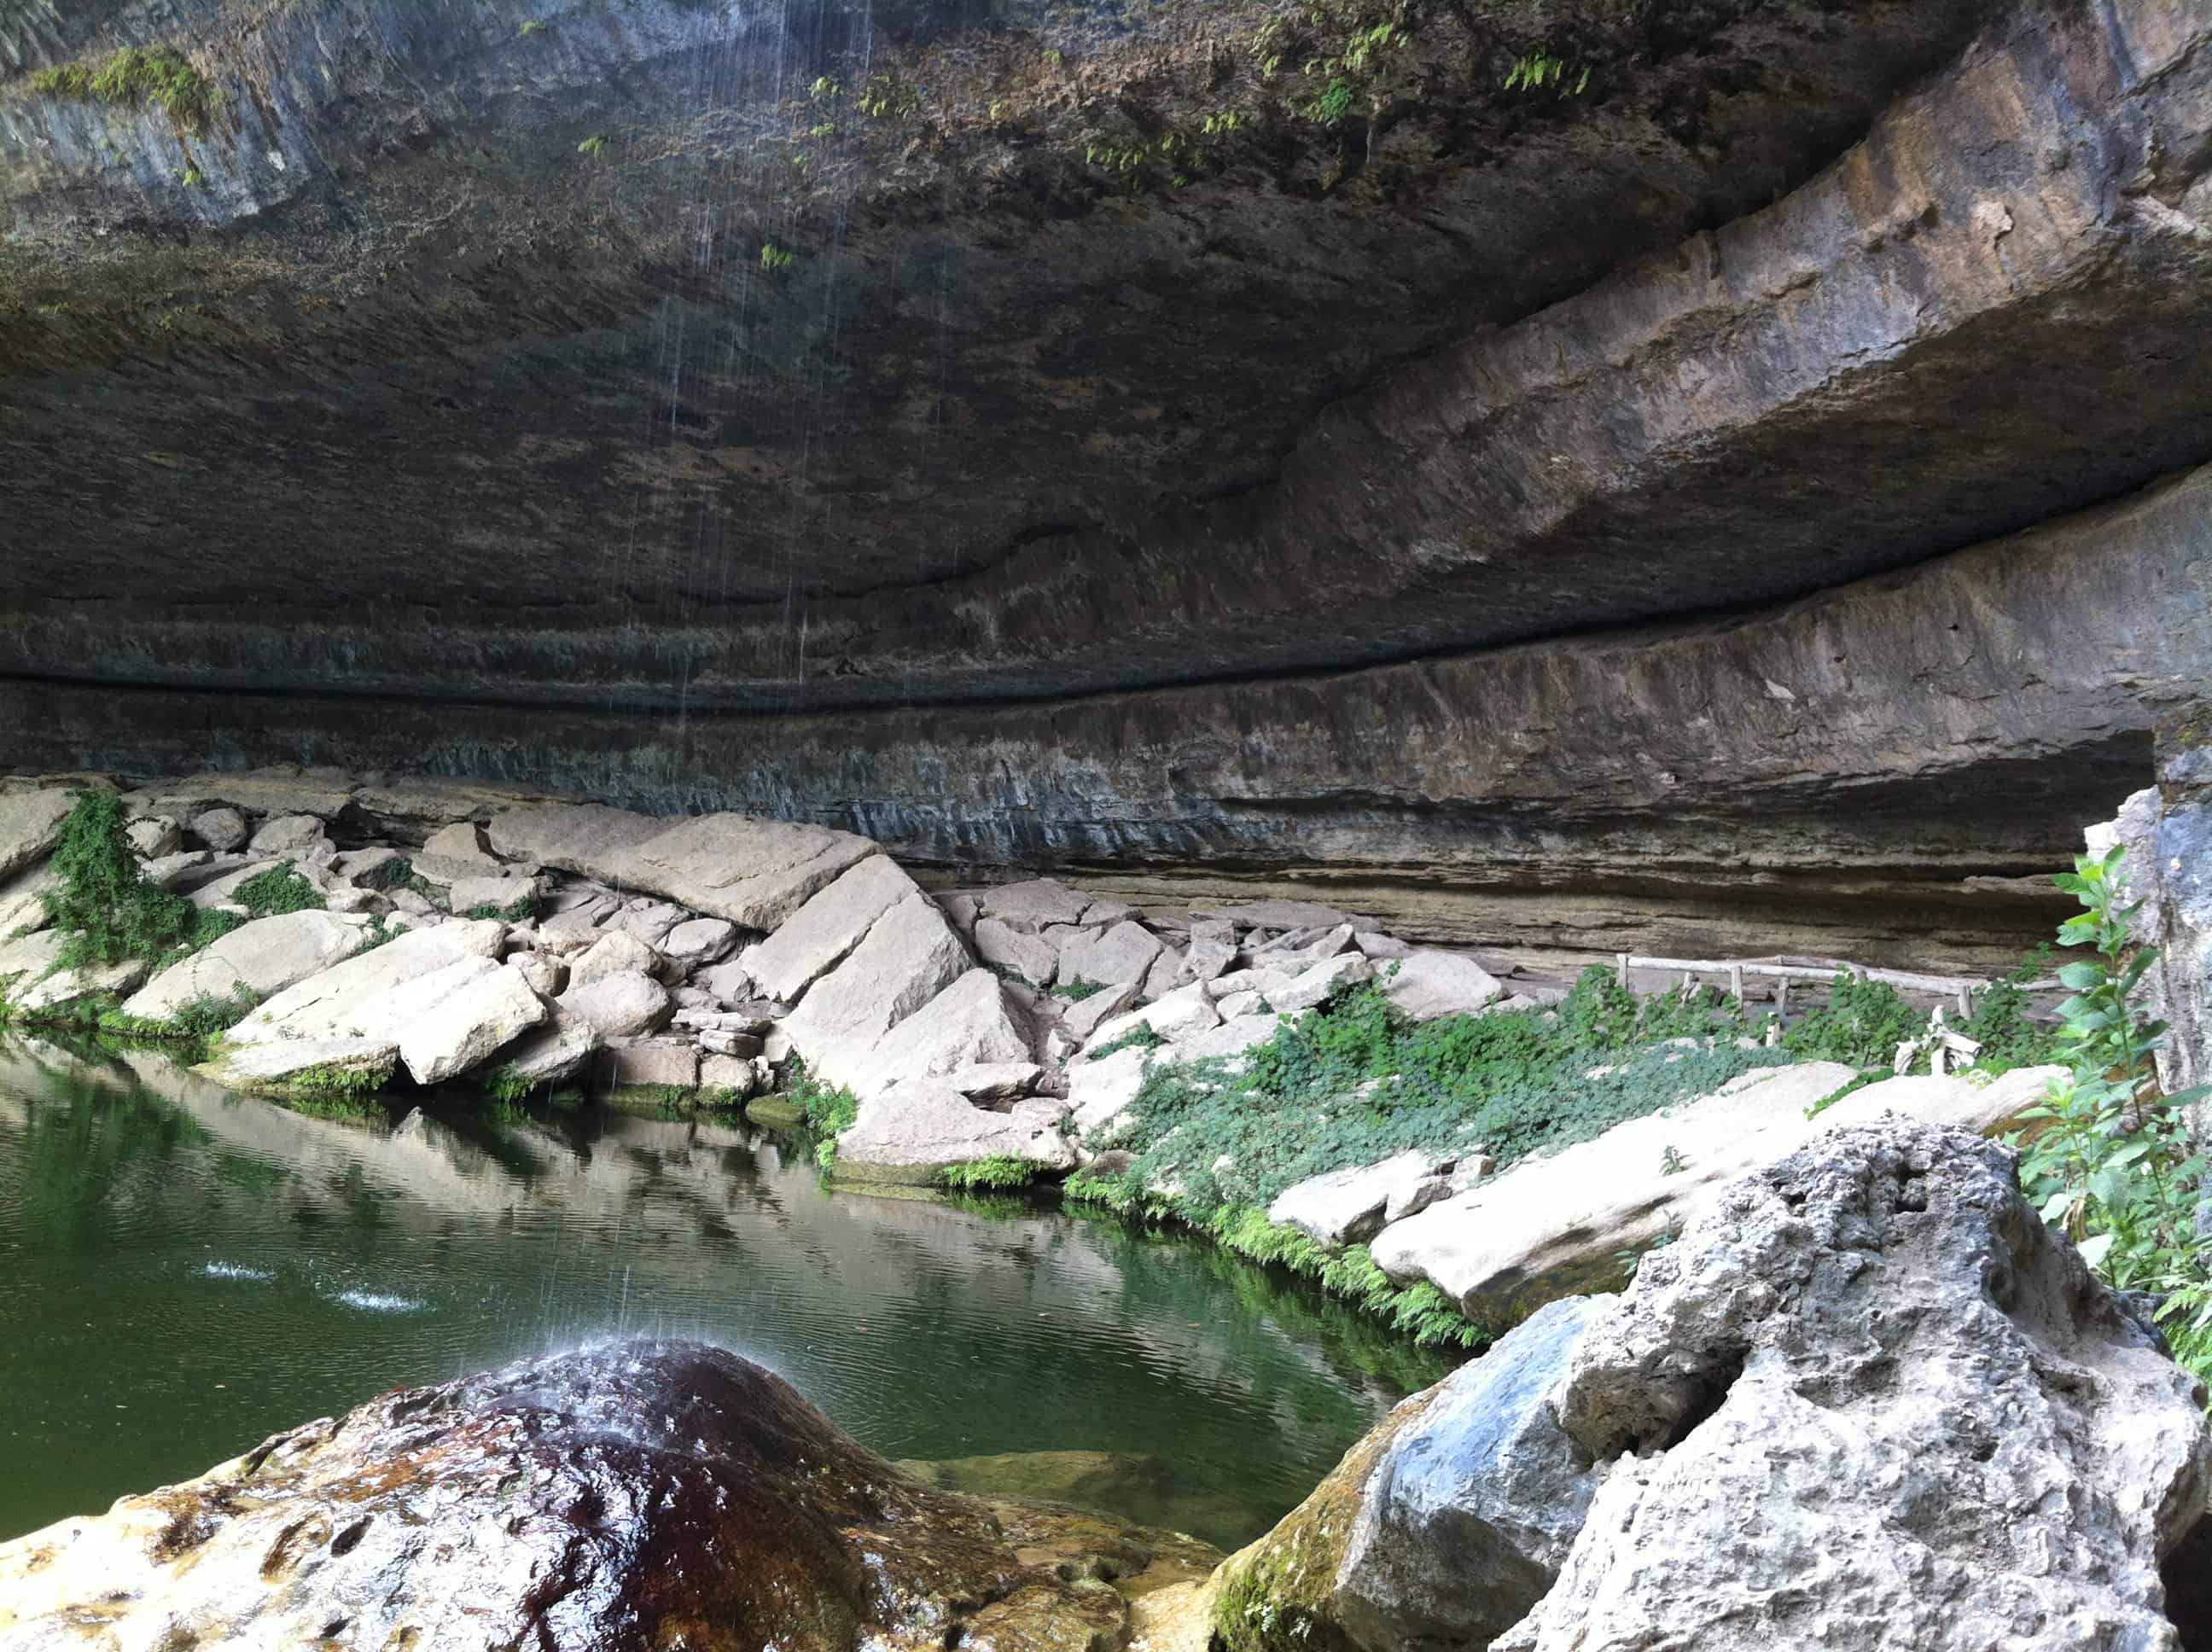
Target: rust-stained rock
point(642, 1495)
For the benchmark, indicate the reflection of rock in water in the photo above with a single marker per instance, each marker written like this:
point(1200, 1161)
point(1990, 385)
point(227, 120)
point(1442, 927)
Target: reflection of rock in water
point(638, 1495)
point(1151, 1488)
point(664, 1181)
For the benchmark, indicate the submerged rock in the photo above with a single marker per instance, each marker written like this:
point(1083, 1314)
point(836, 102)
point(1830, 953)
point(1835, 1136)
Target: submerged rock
point(648, 1495)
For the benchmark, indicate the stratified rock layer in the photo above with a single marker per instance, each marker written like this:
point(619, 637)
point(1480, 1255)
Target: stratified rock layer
point(648, 1495)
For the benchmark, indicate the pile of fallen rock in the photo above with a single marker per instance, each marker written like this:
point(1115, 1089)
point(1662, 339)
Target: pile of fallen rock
point(532, 942)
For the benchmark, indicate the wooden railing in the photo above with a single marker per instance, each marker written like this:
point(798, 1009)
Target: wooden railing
point(1959, 988)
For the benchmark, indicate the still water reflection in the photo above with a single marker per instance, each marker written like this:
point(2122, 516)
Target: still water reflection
point(183, 1270)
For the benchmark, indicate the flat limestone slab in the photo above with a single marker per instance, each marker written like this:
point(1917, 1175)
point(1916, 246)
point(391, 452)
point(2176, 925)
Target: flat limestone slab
point(278, 1065)
point(910, 955)
point(1550, 1227)
point(393, 992)
point(30, 825)
point(37, 985)
point(755, 873)
point(266, 957)
point(910, 1131)
point(969, 1023)
point(820, 935)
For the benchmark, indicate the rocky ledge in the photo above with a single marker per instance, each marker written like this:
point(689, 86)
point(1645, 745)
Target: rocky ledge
point(640, 1495)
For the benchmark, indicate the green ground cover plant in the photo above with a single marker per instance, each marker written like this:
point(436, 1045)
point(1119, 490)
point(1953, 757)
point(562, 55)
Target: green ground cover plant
point(975, 1175)
point(1353, 1082)
point(112, 912)
point(2110, 1159)
point(827, 1109)
point(280, 889)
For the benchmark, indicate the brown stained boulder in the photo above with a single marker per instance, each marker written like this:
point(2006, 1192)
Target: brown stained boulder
point(647, 1495)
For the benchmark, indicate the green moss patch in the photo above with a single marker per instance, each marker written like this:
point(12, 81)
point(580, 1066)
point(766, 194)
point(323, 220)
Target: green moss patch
point(159, 74)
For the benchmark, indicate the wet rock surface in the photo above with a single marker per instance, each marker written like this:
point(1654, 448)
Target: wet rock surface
point(642, 1495)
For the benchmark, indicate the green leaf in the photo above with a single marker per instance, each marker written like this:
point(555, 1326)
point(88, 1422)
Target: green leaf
point(2081, 976)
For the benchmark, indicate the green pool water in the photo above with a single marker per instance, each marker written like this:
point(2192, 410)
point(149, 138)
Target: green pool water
point(185, 1270)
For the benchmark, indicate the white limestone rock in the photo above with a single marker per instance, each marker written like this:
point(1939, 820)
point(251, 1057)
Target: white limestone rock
point(1034, 904)
point(970, 1021)
point(293, 835)
point(1321, 983)
point(822, 933)
point(1101, 1091)
point(368, 994)
point(1183, 1013)
point(30, 979)
point(30, 826)
point(557, 1050)
point(1082, 1016)
point(755, 873)
point(1027, 954)
point(909, 956)
point(1547, 1227)
point(264, 957)
point(282, 1065)
point(909, 1132)
point(154, 837)
point(1228, 1041)
point(613, 954)
point(1125, 952)
point(1870, 1402)
point(1344, 1207)
point(223, 828)
point(624, 1004)
point(995, 1081)
point(1428, 984)
point(699, 941)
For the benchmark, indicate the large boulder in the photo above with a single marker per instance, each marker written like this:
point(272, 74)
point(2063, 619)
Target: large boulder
point(632, 1496)
point(439, 993)
point(1124, 951)
point(1427, 984)
point(1872, 1402)
point(755, 873)
point(909, 954)
point(1028, 954)
point(286, 1065)
point(1342, 1207)
point(616, 953)
point(970, 1023)
point(1445, 1524)
point(623, 1006)
point(910, 1131)
point(263, 956)
point(30, 825)
point(1551, 1227)
point(821, 933)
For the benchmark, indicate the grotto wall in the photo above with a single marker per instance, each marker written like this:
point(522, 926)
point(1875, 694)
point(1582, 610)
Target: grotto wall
point(1391, 496)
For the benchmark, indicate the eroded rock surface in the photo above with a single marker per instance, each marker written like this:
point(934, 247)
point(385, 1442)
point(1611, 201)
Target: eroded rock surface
point(1869, 1400)
point(643, 1494)
point(1888, 1408)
